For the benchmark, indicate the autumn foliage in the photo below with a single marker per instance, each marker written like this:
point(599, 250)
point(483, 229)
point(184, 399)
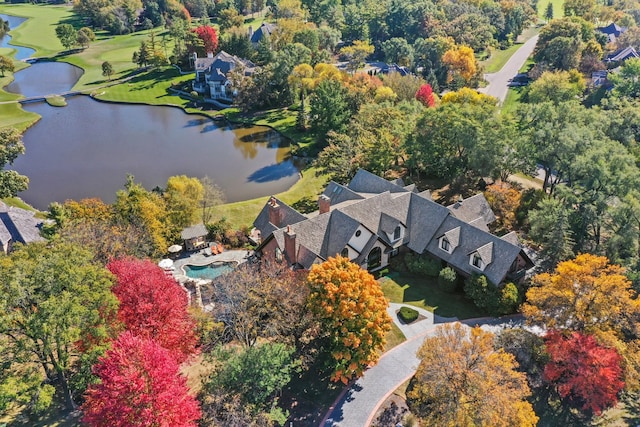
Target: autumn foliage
point(153, 306)
point(461, 62)
point(463, 381)
point(425, 95)
point(140, 386)
point(209, 38)
point(585, 294)
point(504, 201)
point(352, 309)
point(588, 376)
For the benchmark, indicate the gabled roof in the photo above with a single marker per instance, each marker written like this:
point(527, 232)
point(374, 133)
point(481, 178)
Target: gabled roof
point(425, 217)
point(473, 208)
point(194, 231)
point(222, 63)
point(288, 216)
point(472, 239)
point(266, 29)
point(339, 193)
point(366, 182)
point(612, 28)
point(622, 55)
point(19, 225)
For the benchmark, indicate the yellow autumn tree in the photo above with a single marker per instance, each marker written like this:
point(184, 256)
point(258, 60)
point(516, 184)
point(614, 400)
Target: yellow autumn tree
point(356, 54)
point(352, 310)
point(463, 381)
point(460, 62)
point(585, 294)
point(467, 95)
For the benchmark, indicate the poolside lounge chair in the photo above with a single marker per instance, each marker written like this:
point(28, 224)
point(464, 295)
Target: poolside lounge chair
point(220, 248)
point(214, 249)
point(207, 252)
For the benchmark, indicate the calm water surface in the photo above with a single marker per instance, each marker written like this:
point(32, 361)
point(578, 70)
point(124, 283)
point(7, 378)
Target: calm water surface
point(87, 148)
point(22, 52)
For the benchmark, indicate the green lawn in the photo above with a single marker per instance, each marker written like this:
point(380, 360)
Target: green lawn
point(512, 100)
point(500, 57)
point(39, 33)
point(394, 337)
point(424, 292)
point(558, 8)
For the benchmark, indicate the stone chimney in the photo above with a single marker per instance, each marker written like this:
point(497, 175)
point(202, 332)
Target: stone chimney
point(209, 54)
point(290, 245)
point(274, 212)
point(324, 204)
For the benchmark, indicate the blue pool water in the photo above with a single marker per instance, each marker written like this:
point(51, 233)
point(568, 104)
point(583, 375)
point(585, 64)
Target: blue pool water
point(207, 272)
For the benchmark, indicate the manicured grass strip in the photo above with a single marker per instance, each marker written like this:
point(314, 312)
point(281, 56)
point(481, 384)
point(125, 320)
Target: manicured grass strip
point(558, 8)
point(393, 338)
point(500, 57)
point(243, 213)
point(424, 293)
point(512, 100)
point(38, 33)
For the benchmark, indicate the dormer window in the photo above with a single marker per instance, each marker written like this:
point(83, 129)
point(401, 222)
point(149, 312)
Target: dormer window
point(476, 261)
point(397, 233)
point(345, 253)
point(445, 245)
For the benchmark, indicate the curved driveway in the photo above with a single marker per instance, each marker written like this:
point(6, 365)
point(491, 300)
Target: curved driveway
point(499, 82)
point(357, 404)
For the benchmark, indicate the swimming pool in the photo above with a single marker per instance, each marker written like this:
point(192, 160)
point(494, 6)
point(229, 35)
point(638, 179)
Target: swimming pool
point(208, 272)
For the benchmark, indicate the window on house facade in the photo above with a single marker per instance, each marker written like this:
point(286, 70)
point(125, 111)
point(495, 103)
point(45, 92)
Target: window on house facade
point(397, 233)
point(477, 262)
point(345, 253)
point(358, 233)
point(445, 245)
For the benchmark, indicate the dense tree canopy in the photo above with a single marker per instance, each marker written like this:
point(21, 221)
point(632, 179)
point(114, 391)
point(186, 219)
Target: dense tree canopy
point(353, 313)
point(55, 304)
point(140, 385)
point(463, 380)
point(153, 306)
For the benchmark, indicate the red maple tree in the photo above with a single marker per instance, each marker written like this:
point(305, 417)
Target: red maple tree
point(425, 95)
point(209, 37)
point(140, 386)
point(586, 374)
point(154, 306)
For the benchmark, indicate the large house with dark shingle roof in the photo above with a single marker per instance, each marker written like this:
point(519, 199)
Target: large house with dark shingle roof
point(212, 75)
point(18, 226)
point(371, 220)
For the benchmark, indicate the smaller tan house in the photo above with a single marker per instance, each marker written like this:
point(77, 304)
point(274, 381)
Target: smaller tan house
point(195, 237)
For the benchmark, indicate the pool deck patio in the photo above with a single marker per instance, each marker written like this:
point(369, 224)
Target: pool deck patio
point(200, 258)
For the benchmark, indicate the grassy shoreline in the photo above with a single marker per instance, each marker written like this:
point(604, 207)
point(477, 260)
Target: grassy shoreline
point(151, 87)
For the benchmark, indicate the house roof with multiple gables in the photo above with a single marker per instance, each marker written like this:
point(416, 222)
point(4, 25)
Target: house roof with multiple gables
point(219, 66)
point(194, 231)
point(380, 206)
point(266, 29)
point(622, 55)
point(19, 225)
point(612, 31)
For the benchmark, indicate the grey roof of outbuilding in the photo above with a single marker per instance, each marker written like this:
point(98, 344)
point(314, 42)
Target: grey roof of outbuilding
point(471, 239)
point(266, 29)
point(366, 182)
point(472, 208)
point(18, 224)
point(289, 216)
point(622, 54)
point(194, 231)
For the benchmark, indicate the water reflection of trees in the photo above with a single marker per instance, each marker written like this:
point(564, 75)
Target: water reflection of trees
point(248, 139)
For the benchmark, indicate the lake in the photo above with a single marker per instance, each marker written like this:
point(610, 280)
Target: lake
point(87, 148)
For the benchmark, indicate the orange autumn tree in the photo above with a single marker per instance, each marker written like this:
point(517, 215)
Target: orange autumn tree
point(462, 380)
point(460, 62)
point(352, 310)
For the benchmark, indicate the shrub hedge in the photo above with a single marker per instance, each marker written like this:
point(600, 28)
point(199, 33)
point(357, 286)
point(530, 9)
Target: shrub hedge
point(407, 314)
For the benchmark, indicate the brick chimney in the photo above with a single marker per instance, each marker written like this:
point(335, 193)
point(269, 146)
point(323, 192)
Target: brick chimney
point(274, 212)
point(290, 245)
point(324, 204)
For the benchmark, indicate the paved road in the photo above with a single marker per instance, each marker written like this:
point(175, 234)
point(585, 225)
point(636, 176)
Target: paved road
point(357, 406)
point(499, 82)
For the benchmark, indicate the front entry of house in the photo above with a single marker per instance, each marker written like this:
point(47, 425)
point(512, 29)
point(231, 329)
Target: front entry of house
point(374, 260)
